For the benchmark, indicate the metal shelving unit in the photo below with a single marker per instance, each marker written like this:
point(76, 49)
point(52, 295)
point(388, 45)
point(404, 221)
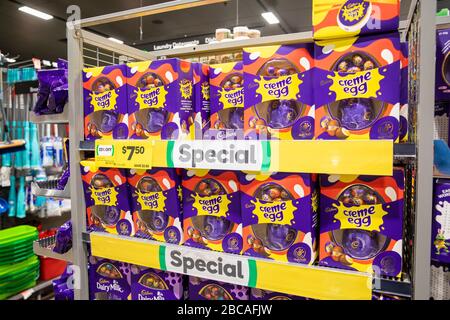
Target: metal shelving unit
point(48, 189)
point(44, 247)
point(59, 118)
point(418, 28)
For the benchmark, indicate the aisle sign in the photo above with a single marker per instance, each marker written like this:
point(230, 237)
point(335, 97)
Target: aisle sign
point(128, 154)
point(245, 155)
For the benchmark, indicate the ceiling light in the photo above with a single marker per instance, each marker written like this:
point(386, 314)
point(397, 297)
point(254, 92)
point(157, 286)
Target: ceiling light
point(270, 17)
point(115, 40)
point(10, 60)
point(46, 63)
point(54, 65)
point(36, 13)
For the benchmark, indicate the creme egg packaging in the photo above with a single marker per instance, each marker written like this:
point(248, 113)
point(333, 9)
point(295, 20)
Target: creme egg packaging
point(278, 92)
point(153, 284)
point(108, 279)
point(202, 103)
point(155, 204)
point(105, 102)
point(351, 18)
point(361, 222)
point(211, 210)
point(227, 102)
point(279, 216)
point(357, 88)
point(440, 247)
point(160, 99)
point(106, 197)
point(442, 92)
point(204, 289)
point(404, 109)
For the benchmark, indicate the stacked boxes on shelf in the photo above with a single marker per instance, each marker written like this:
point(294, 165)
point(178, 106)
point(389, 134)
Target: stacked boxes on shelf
point(344, 86)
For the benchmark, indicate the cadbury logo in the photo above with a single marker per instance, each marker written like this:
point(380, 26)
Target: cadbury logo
point(105, 285)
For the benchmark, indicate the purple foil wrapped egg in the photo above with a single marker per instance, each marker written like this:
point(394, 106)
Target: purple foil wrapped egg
point(216, 228)
point(236, 120)
point(108, 121)
point(279, 237)
point(360, 244)
point(282, 114)
point(356, 113)
point(156, 119)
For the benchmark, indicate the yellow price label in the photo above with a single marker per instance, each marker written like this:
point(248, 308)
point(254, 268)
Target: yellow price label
point(128, 154)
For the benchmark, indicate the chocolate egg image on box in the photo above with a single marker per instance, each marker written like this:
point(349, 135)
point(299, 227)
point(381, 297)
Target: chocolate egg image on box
point(153, 281)
point(104, 121)
point(233, 118)
point(357, 243)
point(211, 227)
point(356, 113)
point(278, 114)
point(446, 69)
point(155, 221)
point(215, 292)
point(108, 215)
point(275, 237)
point(151, 119)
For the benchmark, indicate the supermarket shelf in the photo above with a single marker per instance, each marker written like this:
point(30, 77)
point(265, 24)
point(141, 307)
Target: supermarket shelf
point(395, 287)
point(24, 295)
point(336, 156)
point(48, 189)
point(297, 279)
point(404, 150)
point(44, 247)
point(59, 118)
point(15, 145)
